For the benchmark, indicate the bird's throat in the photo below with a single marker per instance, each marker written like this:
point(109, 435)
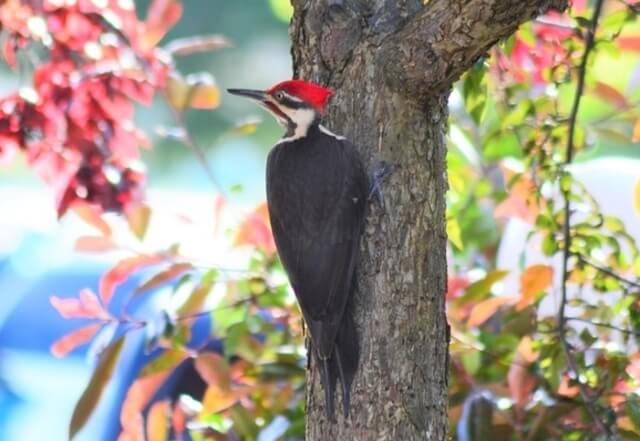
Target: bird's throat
point(299, 122)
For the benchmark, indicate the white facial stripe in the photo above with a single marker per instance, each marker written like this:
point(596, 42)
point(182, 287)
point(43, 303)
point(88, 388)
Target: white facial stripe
point(303, 118)
point(292, 98)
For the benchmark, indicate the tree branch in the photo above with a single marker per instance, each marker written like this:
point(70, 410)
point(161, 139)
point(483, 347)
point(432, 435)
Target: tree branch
point(447, 36)
point(589, 404)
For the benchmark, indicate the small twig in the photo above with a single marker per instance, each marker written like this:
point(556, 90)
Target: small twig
point(189, 140)
point(238, 302)
point(608, 272)
point(556, 24)
point(566, 252)
point(604, 325)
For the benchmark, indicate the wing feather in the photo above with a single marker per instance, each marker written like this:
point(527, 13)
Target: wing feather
point(317, 194)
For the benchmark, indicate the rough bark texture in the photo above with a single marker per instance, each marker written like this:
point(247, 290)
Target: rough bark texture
point(392, 63)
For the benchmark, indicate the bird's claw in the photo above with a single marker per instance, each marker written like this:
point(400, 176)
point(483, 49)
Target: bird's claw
point(380, 174)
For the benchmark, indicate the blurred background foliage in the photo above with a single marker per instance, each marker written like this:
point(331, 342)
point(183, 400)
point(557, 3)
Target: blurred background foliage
point(192, 330)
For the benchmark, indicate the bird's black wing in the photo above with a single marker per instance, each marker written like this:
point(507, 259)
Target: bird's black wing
point(317, 191)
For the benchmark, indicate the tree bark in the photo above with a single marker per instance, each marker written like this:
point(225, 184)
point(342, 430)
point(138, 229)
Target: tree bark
point(392, 63)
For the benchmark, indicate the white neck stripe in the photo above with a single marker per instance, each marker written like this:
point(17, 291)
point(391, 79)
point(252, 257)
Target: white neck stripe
point(326, 131)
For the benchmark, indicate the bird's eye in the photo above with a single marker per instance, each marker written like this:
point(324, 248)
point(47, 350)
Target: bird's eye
point(279, 96)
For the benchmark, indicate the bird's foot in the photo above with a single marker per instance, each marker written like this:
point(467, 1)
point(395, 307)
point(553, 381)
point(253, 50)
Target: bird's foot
point(380, 174)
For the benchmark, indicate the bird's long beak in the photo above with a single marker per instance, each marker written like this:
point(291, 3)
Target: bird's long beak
point(258, 95)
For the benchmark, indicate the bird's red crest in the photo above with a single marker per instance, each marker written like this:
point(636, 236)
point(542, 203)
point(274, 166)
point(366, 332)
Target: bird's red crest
point(311, 93)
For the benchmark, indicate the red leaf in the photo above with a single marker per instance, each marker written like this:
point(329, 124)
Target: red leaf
point(179, 421)
point(629, 42)
point(218, 209)
point(138, 396)
point(522, 383)
point(69, 342)
point(611, 95)
point(484, 310)
point(91, 215)
point(162, 16)
point(86, 306)
point(520, 202)
point(94, 244)
point(123, 270)
point(256, 231)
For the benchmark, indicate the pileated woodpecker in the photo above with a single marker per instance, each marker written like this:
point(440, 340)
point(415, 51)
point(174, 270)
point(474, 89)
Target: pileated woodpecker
point(317, 191)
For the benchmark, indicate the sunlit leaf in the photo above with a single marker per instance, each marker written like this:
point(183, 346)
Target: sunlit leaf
point(197, 44)
point(632, 408)
point(282, 9)
point(216, 400)
point(91, 216)
point(635, 137)
point(138, 396)
point(91, 395)
point(480, 289)
point(204, 93)
point(533, 280)
point(196, 90)
point(244, 423)
point(198, 296)
point(94, 244)
point(86, 305)
point(214, 369)
point(610, 134)
point(158, 421)
point(164, 276)
point(610, 94)
point(484, 310)
point(138, 220)
point(123, 270)
point(471, 360)
point(167, 361)
point(454, 233)
point(247, 126)
point(162, 16)
point(520, 381)
point(636, 198)
point(520, 202)
point(256, 231)
point(69, 342)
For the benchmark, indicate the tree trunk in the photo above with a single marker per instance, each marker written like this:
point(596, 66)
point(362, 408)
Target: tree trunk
point(392, 63)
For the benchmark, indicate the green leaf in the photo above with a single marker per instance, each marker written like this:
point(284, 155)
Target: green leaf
point(164, 276)
point(243, 422)
point(474, 91)
point(632, 408)
point(138, 220)
point(471, 360)
point(235, 335)
point(165, 361)
point(454, 233)
point(224, 318)
point(549, 245)
point(480, 289)
point(91, 395)
point(199, 295)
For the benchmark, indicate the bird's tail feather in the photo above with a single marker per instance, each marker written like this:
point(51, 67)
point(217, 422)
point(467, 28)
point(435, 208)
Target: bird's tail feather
point(329, 385)
point(346, 355)
point(342, 364)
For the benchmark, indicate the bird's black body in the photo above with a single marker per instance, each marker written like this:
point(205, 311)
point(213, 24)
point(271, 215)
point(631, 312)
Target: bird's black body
point(317, 192)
